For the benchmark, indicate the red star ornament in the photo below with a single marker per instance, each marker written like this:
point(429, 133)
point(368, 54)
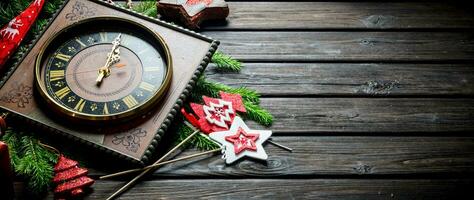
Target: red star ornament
point(193, 12)
point(243, 141)
point(216, 114)
point(240, 141)
point(13, 33)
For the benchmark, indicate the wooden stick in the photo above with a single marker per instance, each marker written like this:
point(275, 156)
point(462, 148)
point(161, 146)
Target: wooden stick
point(51, 148)
point(280, 145)
point(4, 115)
point(131, 182)
point(154, 166)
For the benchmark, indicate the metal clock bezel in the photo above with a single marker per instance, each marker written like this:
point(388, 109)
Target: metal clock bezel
point(124, 115)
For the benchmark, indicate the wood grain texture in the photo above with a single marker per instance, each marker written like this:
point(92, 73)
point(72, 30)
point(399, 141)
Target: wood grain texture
point(288, 189)
point(376, 98)
point(343, 79)
point(276, 46)
point(345, 15)
point(336, 156)
point(372, 115)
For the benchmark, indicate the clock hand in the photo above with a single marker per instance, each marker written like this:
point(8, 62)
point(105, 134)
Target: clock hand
point(118, 65)
point(112, 57)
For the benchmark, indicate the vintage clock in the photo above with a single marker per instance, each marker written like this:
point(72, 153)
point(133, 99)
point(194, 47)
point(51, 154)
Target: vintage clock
point(106, 77)
point(103, 69)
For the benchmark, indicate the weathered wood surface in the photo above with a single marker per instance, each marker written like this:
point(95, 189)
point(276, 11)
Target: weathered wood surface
point(349, 79)
point(337, 156)
point(370, 115)
point(283, 46)
point(376, 98)
point(346, 15)
point(289, 189)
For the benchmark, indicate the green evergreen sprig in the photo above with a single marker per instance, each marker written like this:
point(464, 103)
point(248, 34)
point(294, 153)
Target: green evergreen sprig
point(147, 7)
point(30, 159)
point(258, 114)
point(225, 62)
point(211, 89)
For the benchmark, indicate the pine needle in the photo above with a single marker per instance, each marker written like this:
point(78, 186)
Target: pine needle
point(258, 114)
point(211, 89)
point(225, 62)
point(35, 165)
point(146, 7)
point(30, 160)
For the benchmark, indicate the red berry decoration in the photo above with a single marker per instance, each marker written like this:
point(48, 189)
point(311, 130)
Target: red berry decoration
point(70, 179)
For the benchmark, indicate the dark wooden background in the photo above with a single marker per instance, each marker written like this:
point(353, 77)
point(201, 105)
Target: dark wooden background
point(376, 98)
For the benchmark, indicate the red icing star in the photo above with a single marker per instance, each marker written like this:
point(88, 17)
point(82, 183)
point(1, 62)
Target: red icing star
point(194, 2)
point(243, 141)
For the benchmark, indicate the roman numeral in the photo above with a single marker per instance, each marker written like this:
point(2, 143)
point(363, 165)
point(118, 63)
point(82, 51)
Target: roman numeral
point(125, 40)
point(146, 86)
point(63, 57)
point(80, 105)
point(106, 110)
point(62, 92)
point(152, 69)
point(80, 42)
point(130, 101)
point(143, 51)
point(55, 75)
point(103, 36)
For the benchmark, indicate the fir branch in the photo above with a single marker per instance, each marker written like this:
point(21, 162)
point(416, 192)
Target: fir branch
point(258, 114)
point(35, 164)
point(13, 145)
point(211, 89)
point(225, 62)
point(30, 160)
point(147, 7)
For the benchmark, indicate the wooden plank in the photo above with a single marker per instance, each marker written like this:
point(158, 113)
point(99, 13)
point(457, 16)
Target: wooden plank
point(344, 79)
point(336, 156)
point(345, 15)
point(346, 46)
point(373, 115)
point(286, 189)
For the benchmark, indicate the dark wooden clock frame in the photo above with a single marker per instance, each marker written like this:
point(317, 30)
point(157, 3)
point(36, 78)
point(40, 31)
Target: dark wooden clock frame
point(190, 51)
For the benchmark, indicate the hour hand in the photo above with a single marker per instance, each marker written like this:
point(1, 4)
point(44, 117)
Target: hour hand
point(112, 57)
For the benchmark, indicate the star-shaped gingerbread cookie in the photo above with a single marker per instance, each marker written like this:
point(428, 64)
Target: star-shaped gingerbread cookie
point(193, 12)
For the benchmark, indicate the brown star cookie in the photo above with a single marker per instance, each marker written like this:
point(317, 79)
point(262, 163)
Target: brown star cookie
point(193, 12)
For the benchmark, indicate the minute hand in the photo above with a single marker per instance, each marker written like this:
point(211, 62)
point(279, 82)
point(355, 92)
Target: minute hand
point(112, 57)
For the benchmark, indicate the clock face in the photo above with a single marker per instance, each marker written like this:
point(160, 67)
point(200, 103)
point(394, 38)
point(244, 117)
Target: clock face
point(104, 69)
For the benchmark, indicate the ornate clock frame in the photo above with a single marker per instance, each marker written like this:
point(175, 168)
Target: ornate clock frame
point(191, 53)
